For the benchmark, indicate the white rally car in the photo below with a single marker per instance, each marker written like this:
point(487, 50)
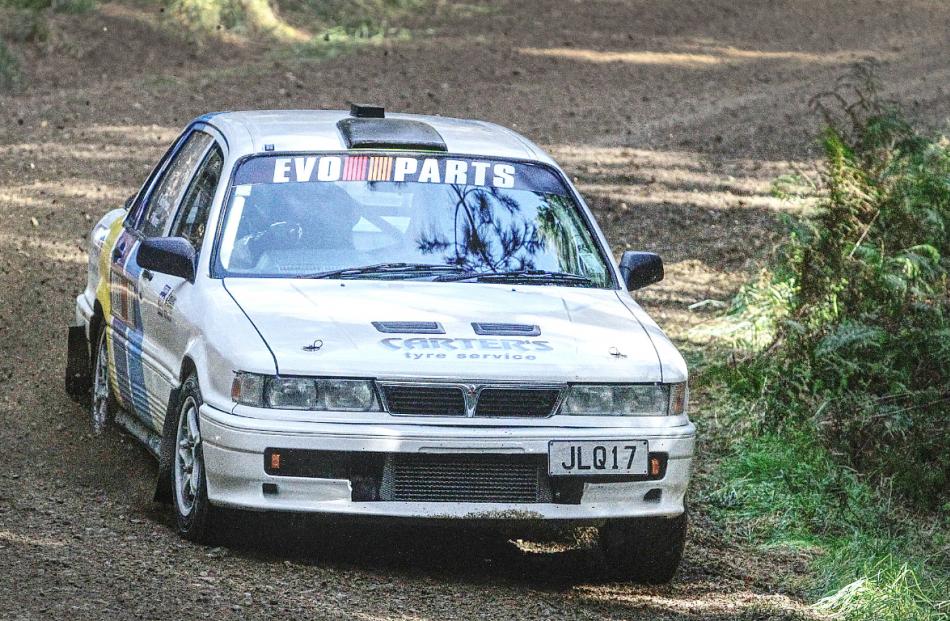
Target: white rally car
point(384, 315)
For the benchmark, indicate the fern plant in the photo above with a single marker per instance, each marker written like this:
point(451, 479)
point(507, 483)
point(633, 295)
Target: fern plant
point(857, 303)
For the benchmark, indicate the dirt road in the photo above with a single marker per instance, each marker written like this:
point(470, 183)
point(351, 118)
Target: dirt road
point(673, 116)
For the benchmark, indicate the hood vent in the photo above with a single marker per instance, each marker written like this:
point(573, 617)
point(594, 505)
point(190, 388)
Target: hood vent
point(506, 329)
point(409, 327)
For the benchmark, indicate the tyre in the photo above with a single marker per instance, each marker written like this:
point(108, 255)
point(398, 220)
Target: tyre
point(193, 512)
point(644, 550)
point(102, 404)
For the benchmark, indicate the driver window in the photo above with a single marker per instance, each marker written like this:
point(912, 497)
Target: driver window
point(164, 199)
point(193, 214)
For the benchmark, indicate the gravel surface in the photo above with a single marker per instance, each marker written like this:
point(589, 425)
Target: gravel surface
point(673, 117)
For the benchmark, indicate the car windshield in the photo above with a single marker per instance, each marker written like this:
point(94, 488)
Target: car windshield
point(406, 217)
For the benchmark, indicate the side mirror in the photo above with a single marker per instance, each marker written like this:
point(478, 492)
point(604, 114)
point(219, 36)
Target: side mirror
point(174, 256)
point(640, 269)
point(128, 202)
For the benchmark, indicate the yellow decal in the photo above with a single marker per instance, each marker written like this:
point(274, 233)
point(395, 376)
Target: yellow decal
point(104, 297)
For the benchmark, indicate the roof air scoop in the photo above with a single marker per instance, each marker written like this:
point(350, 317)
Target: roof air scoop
point(368, 128)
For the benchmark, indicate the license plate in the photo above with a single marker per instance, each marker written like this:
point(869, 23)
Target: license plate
point(594, 458)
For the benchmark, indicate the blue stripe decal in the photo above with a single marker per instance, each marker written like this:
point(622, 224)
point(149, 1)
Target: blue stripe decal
point(137, 376)
point(120, 334)
point(136, 370)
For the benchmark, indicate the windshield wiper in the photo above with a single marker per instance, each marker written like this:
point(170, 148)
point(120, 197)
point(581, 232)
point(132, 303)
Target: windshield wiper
point(383, 268)
point(528, 276)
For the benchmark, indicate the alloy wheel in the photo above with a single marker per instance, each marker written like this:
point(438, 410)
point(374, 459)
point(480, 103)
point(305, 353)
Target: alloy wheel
point(187, 457)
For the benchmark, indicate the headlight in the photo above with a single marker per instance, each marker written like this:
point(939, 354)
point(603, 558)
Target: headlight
point(290, 393)
point(625, 400)
point(347, 395)
point(304, 393)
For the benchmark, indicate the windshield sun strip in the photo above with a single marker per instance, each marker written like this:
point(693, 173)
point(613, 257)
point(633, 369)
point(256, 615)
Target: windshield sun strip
point(217, 271)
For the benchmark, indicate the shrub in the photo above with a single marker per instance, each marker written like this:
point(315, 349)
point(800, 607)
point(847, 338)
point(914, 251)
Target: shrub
point(66, 6)
point(857, 303)
point(362, 18)
point(23, 25)
point(9, 69)
point(25, 21)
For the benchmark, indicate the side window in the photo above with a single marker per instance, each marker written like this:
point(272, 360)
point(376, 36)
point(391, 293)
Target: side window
point(193, 214)
point(171, 186)
point(135, 209)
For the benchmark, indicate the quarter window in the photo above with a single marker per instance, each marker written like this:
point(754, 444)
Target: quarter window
point(174, 181)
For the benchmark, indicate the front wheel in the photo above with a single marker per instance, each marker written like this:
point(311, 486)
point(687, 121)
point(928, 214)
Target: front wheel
point(644, 550)
point(193, 511)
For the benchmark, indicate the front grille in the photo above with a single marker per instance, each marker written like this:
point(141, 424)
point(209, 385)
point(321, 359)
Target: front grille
point(492, 401)
point(464, 478)
point(527, 402)
point(425, 400)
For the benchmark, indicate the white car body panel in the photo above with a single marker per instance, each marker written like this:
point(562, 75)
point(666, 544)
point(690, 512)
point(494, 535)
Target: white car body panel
point(579, 329)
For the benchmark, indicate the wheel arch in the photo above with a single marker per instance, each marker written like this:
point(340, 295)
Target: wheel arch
point(97, 321)
point(167, 448)
point(188, 367)
point(166, 451)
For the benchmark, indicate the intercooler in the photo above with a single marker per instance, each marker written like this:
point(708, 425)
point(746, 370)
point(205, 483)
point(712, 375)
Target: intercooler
point(429, 477)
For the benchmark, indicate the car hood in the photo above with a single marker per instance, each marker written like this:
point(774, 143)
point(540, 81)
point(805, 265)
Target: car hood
point(326, 327)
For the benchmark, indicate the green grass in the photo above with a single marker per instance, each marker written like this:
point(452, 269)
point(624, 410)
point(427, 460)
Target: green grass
point(785, 488)
point(888, 589)
point(874, 560)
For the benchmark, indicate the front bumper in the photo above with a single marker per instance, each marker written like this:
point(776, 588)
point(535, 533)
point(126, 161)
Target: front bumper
point(234, 449)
